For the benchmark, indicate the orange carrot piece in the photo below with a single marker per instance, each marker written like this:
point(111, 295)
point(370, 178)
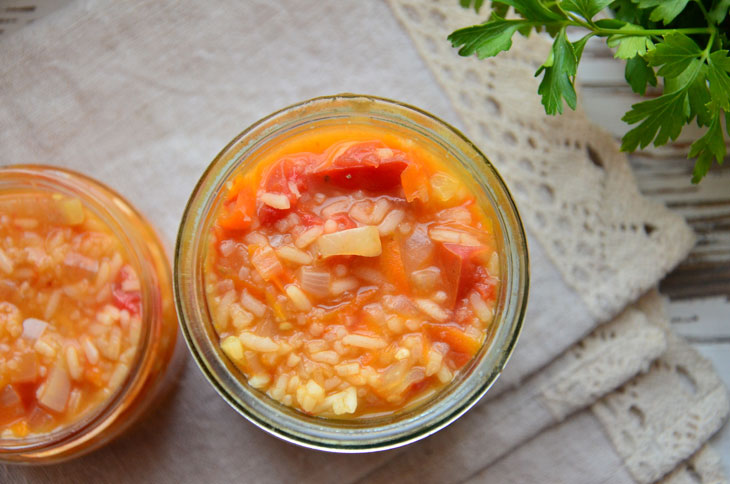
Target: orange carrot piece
point(238, 215)
point(415, 183)
point(457, 340)
point(20, 428)
point(391, 265)
point(94, 376)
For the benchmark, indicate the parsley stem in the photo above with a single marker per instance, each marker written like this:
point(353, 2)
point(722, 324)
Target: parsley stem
point(706, 52)
point(604, 32)
point(647, 32)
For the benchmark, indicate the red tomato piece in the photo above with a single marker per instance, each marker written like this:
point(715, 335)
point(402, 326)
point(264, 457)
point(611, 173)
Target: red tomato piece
point(269, 215)
point(308, 219)
point(125, 300)
point(129, 300)
point(287, 177)
point(459, 268)
point(365, 166)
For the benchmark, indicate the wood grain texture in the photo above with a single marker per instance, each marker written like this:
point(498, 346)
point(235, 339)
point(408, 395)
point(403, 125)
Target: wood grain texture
point(14, 14)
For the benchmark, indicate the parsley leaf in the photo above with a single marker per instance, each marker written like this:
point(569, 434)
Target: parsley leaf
point(709, 146)
point(665, 10)
point(686, 42)
point(585, 8)
point(699, 97)
point(533, 10)
point(477, 4)
point(718, 66)
point(638, 74)
point(487, 39)
point(578, 47)
point(661, 118)
point(719, 11)
point(557, 82)
point(674, 54)
point(630, 45)
point(665, 114)
point(500, 9)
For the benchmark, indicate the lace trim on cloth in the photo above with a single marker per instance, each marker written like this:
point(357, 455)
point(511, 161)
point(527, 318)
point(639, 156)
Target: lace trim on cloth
point(601, 362)
point(705, 467)
point(575, 189)
point(662, 417)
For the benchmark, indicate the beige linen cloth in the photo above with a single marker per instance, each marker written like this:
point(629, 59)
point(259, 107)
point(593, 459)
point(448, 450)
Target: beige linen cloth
point(142, 95)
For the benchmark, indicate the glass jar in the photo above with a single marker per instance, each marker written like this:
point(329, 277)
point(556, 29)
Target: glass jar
point(354, 435)
point(159, 350)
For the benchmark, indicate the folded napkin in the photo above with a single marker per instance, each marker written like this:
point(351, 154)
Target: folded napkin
point(142, 95)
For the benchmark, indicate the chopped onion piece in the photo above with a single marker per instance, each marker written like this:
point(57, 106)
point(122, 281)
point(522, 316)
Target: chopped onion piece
point(444, 187)
point(384, 153)
point(71, 210)
point(266, 263)
point(426, 280)
point(343, 285)
point(233, 348)
point(275, 200)
point(363, 241)
point(459, 215)
point(227, 247)
point(445, 235)
point(469, 240)
point(369, 274)
point(53, 394)
point(33, 328)
point(314, 282)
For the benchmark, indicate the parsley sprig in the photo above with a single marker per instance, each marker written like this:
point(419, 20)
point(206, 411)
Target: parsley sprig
point(685, 42)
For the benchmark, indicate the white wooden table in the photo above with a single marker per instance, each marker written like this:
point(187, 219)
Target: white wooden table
point(698, 290)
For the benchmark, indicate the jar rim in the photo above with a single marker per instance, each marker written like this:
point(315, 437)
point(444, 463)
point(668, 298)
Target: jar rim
point(115, 213)
point(346, 436)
